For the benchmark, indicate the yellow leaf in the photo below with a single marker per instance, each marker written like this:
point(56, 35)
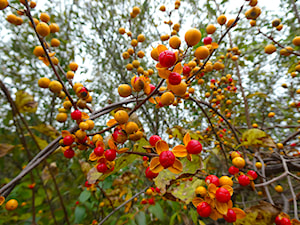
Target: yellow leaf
point(178, 68)
point(65, 133)
point(196, 201)
point(93, 175)
point(257, 138)
point(161, 146)
point(155, 166)
point(179, 151)
point(122, 150)
point(176, 167)
point(222, 207)
point(25, 102)
point(5, 148)
point(128, 205)
point(240, 214)
point(160, 48)
point(84, 116)
point(151, 100)
point(186, 139)
point(214, 215)
point(47, 130)
point(2, 200)
point(93, 157)
point(111, 144)
point(294, 221)
point(228, 188)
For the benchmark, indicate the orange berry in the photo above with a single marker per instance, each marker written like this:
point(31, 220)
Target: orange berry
point(122, 30)
point(124, 90)
point(279, 27)
point(162, 8)
point(11, 18)
point(121, 116)
point(229, 22)
point(202, 52)
point(32, 4)
point(253, 23)
point(276, 22)
point(179, 89)
point(258, 165)
point(3, 4)
point(129, 66)
point(73, 66)
point(45, 17)
point(36, 22)
point(238, 162)
point(134, 42)
point(175, 42)
point(55, 86)
point(192, 36)
point(221, 19)
point(253, 13)
point(44, 82)
point(140, 54)
point(43, 29)
point(278, 188)
point(210, 29)
point(54, 28)
point(84, 125)
point(91, 124)
point(70, 74)
point(55, 60)
point(131, 127)
point(136, 10)
point(167, 98)
point(11, 205)
point(271, 114)
point(135, 63)
point(201, 191)
point(125, 55)
point(61, 117)
point(225, 180)
point(38, 51)
point(141, 38)
point(154, 54)
point(296, 41)
point(130, 51)
point(55, 42)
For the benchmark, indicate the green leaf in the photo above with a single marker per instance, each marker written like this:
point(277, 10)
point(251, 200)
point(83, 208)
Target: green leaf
point(80, 214)
point(173, 218)
point(46, 130)
point(141, 218)
point(84, 196)
point(186, 190)
point(157, 211)
point(256, 137)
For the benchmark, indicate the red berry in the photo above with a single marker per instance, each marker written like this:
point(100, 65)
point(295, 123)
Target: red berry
point(194, 147)
point(230, 216)
point(144, 202)
point(110, 154)
point(207, 40)
point(222, 195)
point(212, 179)
point(145, 158)
point(166, 159)
point(174, 78)
point(82, 141)
point(83, 92)
point(203, 209)
point(186, 70)
point(76, 114)
point(244, 180)
point(167, 58)
point(102, 168)
point(69, 153)
point(157, 190)
point(213, 81)
point(252, 174)
point(149, 174)
point(152, 88)
point(87, 184)
point(153, 139)
point(293, 145)
point(285, 221)
point(98, 151)
point(119, 135)
point(77, 203)
point(277, 220)
point(230, 80)
point(151, 201)
point(68, 140)
point(233, 170)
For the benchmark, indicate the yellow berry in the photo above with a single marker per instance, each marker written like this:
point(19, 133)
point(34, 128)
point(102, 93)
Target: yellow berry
point(11, 205)
point(43, 29)
point(131, 127)
point(238, 162)
point(73, 66)
point(225, 180)
point(53, 28)
point(44, 82)
point(55, 42)
point(258, 165)
point(201, 191)
point(55, 86)
point(124, 90)
point(279, 188)
point(167, 98)
point(121, 116)
point(45, 17)
point(192, 36)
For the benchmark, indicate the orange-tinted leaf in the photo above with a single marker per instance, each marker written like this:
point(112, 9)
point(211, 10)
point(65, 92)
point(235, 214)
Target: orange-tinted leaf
point(147, 89)
point(180, 151)
point(151, 100)
point(178, 68)
point(5, 148)
point(51, 54)
point(214, 45)
point(65, 133)
point(214, 215)
point(252, 185)
point(122, 150)
point(294, 221)
point(222, 207)
point(2, 200)
point(196, 201)
point(93, 157)
point(240, 214)
point(163, 72)
point(186, 138)
point(111, 122)
point(176, 167)
point(111, 144)
point(161, 48)
point(212, 188)
point(84, 116)
point(155, 166)
point(230, 204)
point(132, 80)
point(100, 143)
point(161, 146)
